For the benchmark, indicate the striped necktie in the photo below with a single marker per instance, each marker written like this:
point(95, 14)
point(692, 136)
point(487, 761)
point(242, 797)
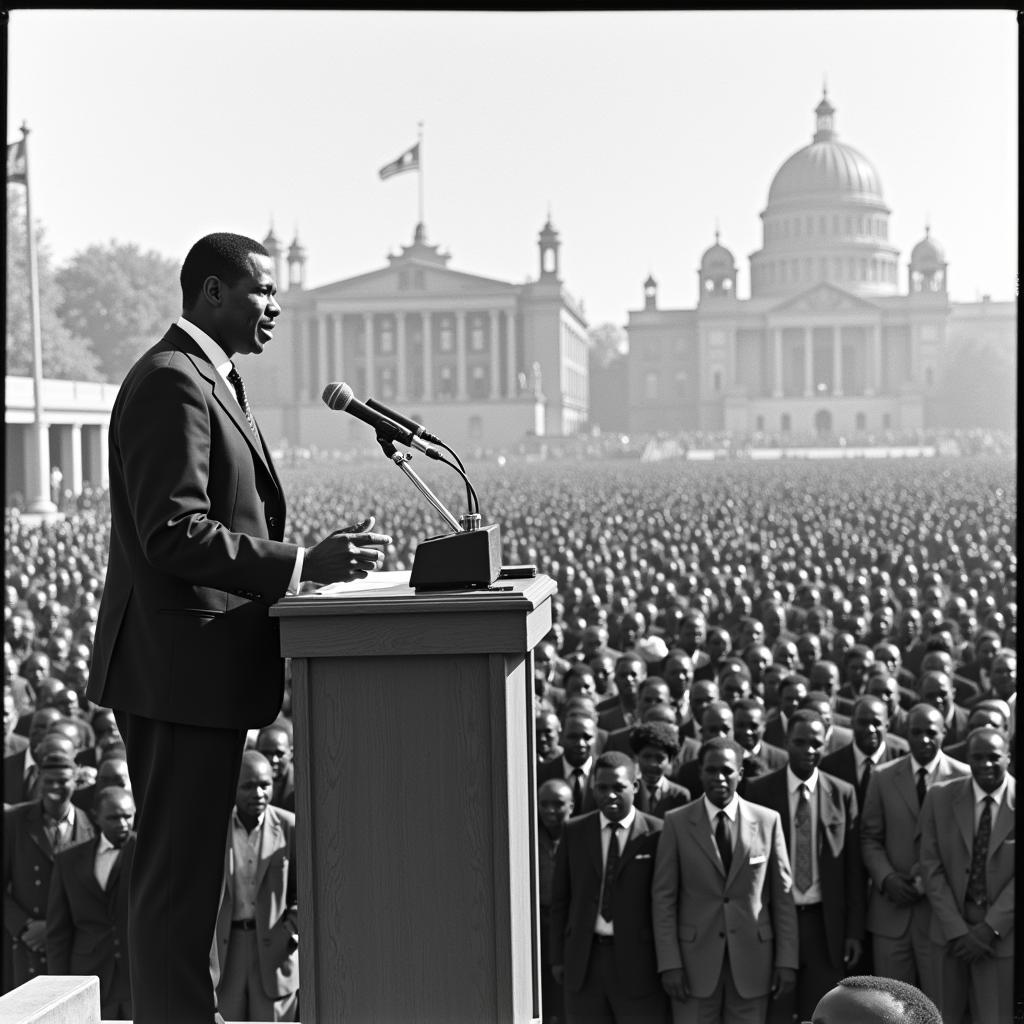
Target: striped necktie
point(243, 400)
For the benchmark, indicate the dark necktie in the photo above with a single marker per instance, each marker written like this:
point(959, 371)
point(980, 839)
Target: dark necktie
point(722, 841)
point(611, 865)
point(52, 830)
point(243, 400)
point(977, 889)
point(865, 778)
point(921, 787)
point(652, 796)
point(577, 790)
point(803, 872)
point(32, 782)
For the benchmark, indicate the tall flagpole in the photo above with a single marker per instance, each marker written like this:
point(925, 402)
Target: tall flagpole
point(419, 150)
point(41, 502)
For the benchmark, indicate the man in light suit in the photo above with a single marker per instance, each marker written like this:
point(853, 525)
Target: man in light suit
point(722, 903)
point(968, 862)
point(828, 882)
point(87, 917)
point(601, 946)
point(185, 650)
point(254, 960)
point(899, 915)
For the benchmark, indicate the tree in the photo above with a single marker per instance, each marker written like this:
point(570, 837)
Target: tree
point(121, 299)
point(608, 341)
point(64, 355)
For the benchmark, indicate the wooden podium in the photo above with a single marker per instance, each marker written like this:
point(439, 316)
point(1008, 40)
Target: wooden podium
point(415, 801)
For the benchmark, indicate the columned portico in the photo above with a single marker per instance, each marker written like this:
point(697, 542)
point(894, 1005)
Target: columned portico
point(400, 380)
point(808, 364)
point(495, 369)
point(510, 353)
point(460, 354)
point(837, 361)
point(428, 357)
point(368, 354)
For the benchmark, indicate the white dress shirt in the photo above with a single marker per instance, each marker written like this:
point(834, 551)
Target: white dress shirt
point(601, 926)
point(246, 846)
point(793, 784)
point(859, 757)
point(106, 857)
point(223, 365)
point(979, 804)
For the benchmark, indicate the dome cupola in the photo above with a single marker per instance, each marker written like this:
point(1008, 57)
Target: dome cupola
point(717, 271)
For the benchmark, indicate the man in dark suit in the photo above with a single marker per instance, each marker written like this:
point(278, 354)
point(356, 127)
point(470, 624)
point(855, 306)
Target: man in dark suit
point(185, 650)
point(990, 711)
point(936, 688)
point(759, 756)
point(655, 746)
point(87, 915)
point(898, 914)
point(254, 960)
point(618, 712)
point(717, 720)
point(968, 861)
point(819, 820)
point(274, 742)
point(721, 901)
point(872, 746)
point(34, 833)
point(576, 765)
point(554, 806)
point(836, 735)
point(602, 946)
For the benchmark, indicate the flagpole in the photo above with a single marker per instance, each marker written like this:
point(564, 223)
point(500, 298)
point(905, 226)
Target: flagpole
point(419, 150)
point(41, 503)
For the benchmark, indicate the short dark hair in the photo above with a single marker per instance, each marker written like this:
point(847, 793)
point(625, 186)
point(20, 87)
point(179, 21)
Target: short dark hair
point(720, 743)
point(916, 1007)
point(108, 793)
point(222, 255)
point(803, 715)
point(660, 735)
point(615, 759)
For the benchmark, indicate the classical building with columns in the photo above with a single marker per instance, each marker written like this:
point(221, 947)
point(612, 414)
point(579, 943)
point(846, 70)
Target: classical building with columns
point(827, 343)
point(480, 362)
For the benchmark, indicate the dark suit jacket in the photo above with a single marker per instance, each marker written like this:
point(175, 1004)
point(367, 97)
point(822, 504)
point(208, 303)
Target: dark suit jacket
point(957, 728)
point(14, 778)
point(670, 796)
point(576, 891)
point(840, 870)
point(86, 926)
point(841, 763)
point(196, 556)
point(769, 759)
point(284, 789)
point(554, 769)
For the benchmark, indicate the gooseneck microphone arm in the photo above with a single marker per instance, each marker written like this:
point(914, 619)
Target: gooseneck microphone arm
point(401, 460)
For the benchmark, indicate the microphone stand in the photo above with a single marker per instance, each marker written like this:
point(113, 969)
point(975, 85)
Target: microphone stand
point(469, 558)
point(402, 460)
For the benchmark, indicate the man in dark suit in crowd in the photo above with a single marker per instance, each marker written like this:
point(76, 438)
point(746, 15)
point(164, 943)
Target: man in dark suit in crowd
point(602, 947)
point(717, 720)
point(34, 833)
point(968, 862)
point(87, 915)
point(936, 688)
point(554, 806)
point(620, 711)
point(185, 650)
point(655, 746)
point(836, 735)
point(722, 903)
point(872, 746)
point(898, 914)
point(819, 820)
point(576, 765)
point(759, 756)
point(990, 711)
point(254, 960)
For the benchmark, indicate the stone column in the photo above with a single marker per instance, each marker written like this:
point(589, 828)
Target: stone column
point(428, 358)
point(368, 350)
point(510, 352)
point(837, 361)
point(401, 376)
point(37, 469)
point(339, 345)
point(104, 440)
point(73, 471)
point(808, 363)
point(777, 361)
point(876, 356)
point(494, 368)
point(460, 355)
point(300, 363)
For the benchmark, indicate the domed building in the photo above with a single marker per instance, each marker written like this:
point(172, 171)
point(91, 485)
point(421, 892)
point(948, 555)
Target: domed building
point(827, 344)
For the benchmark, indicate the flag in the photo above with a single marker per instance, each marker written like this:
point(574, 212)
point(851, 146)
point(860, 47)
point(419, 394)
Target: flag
point(17, 171)
point(408, 161)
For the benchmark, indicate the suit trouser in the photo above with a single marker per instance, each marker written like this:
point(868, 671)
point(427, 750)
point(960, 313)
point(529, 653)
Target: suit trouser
point(981, 992)
point(815, 976)
point(184, 779)
point(724, 1006)
point(909, 957)
point(603, 1000)
point(240, 994)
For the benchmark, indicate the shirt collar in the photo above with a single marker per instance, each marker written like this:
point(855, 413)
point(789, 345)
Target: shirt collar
point(859, 757)
point(929, 768)
point(730, 808)
point(997, 794)
point(626, 823)
point(793, 783)
point(104, 845)
point(210, 348)
point(570, 768)
point(240, 824)
point(68, 819)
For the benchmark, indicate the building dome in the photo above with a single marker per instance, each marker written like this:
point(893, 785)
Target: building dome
point(927, 254)
point(826, 168)
point(716, 259)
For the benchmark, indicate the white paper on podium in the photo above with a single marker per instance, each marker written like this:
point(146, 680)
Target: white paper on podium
point(397, 579)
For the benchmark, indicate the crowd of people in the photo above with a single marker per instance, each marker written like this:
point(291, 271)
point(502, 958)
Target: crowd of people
point(718, 630)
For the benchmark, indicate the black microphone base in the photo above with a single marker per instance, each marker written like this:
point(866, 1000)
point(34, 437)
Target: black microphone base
point(458, 561)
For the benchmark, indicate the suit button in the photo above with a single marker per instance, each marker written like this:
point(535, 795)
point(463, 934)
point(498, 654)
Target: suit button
point(271, 521)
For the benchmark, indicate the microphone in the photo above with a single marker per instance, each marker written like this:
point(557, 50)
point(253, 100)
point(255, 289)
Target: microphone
point(411, 425)
point(340, 397)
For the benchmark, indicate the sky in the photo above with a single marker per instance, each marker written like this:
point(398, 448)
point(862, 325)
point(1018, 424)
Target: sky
point(638, 131)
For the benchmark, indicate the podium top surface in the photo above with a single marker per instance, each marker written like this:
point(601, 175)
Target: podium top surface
point(384, 593)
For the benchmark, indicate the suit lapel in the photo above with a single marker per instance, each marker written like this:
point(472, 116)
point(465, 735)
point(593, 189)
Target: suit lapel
point(904, 782)
point(36, 833)
point(965, 814)
point(270, 840)
point(1003, 825)
point(829, 816)
point(223, 392)
point(593, 845)
point(746, 829)
point(638, 830)
point(700, 830)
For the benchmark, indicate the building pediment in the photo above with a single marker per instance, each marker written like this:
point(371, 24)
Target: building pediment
point(410, 278)
point(824, 298)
